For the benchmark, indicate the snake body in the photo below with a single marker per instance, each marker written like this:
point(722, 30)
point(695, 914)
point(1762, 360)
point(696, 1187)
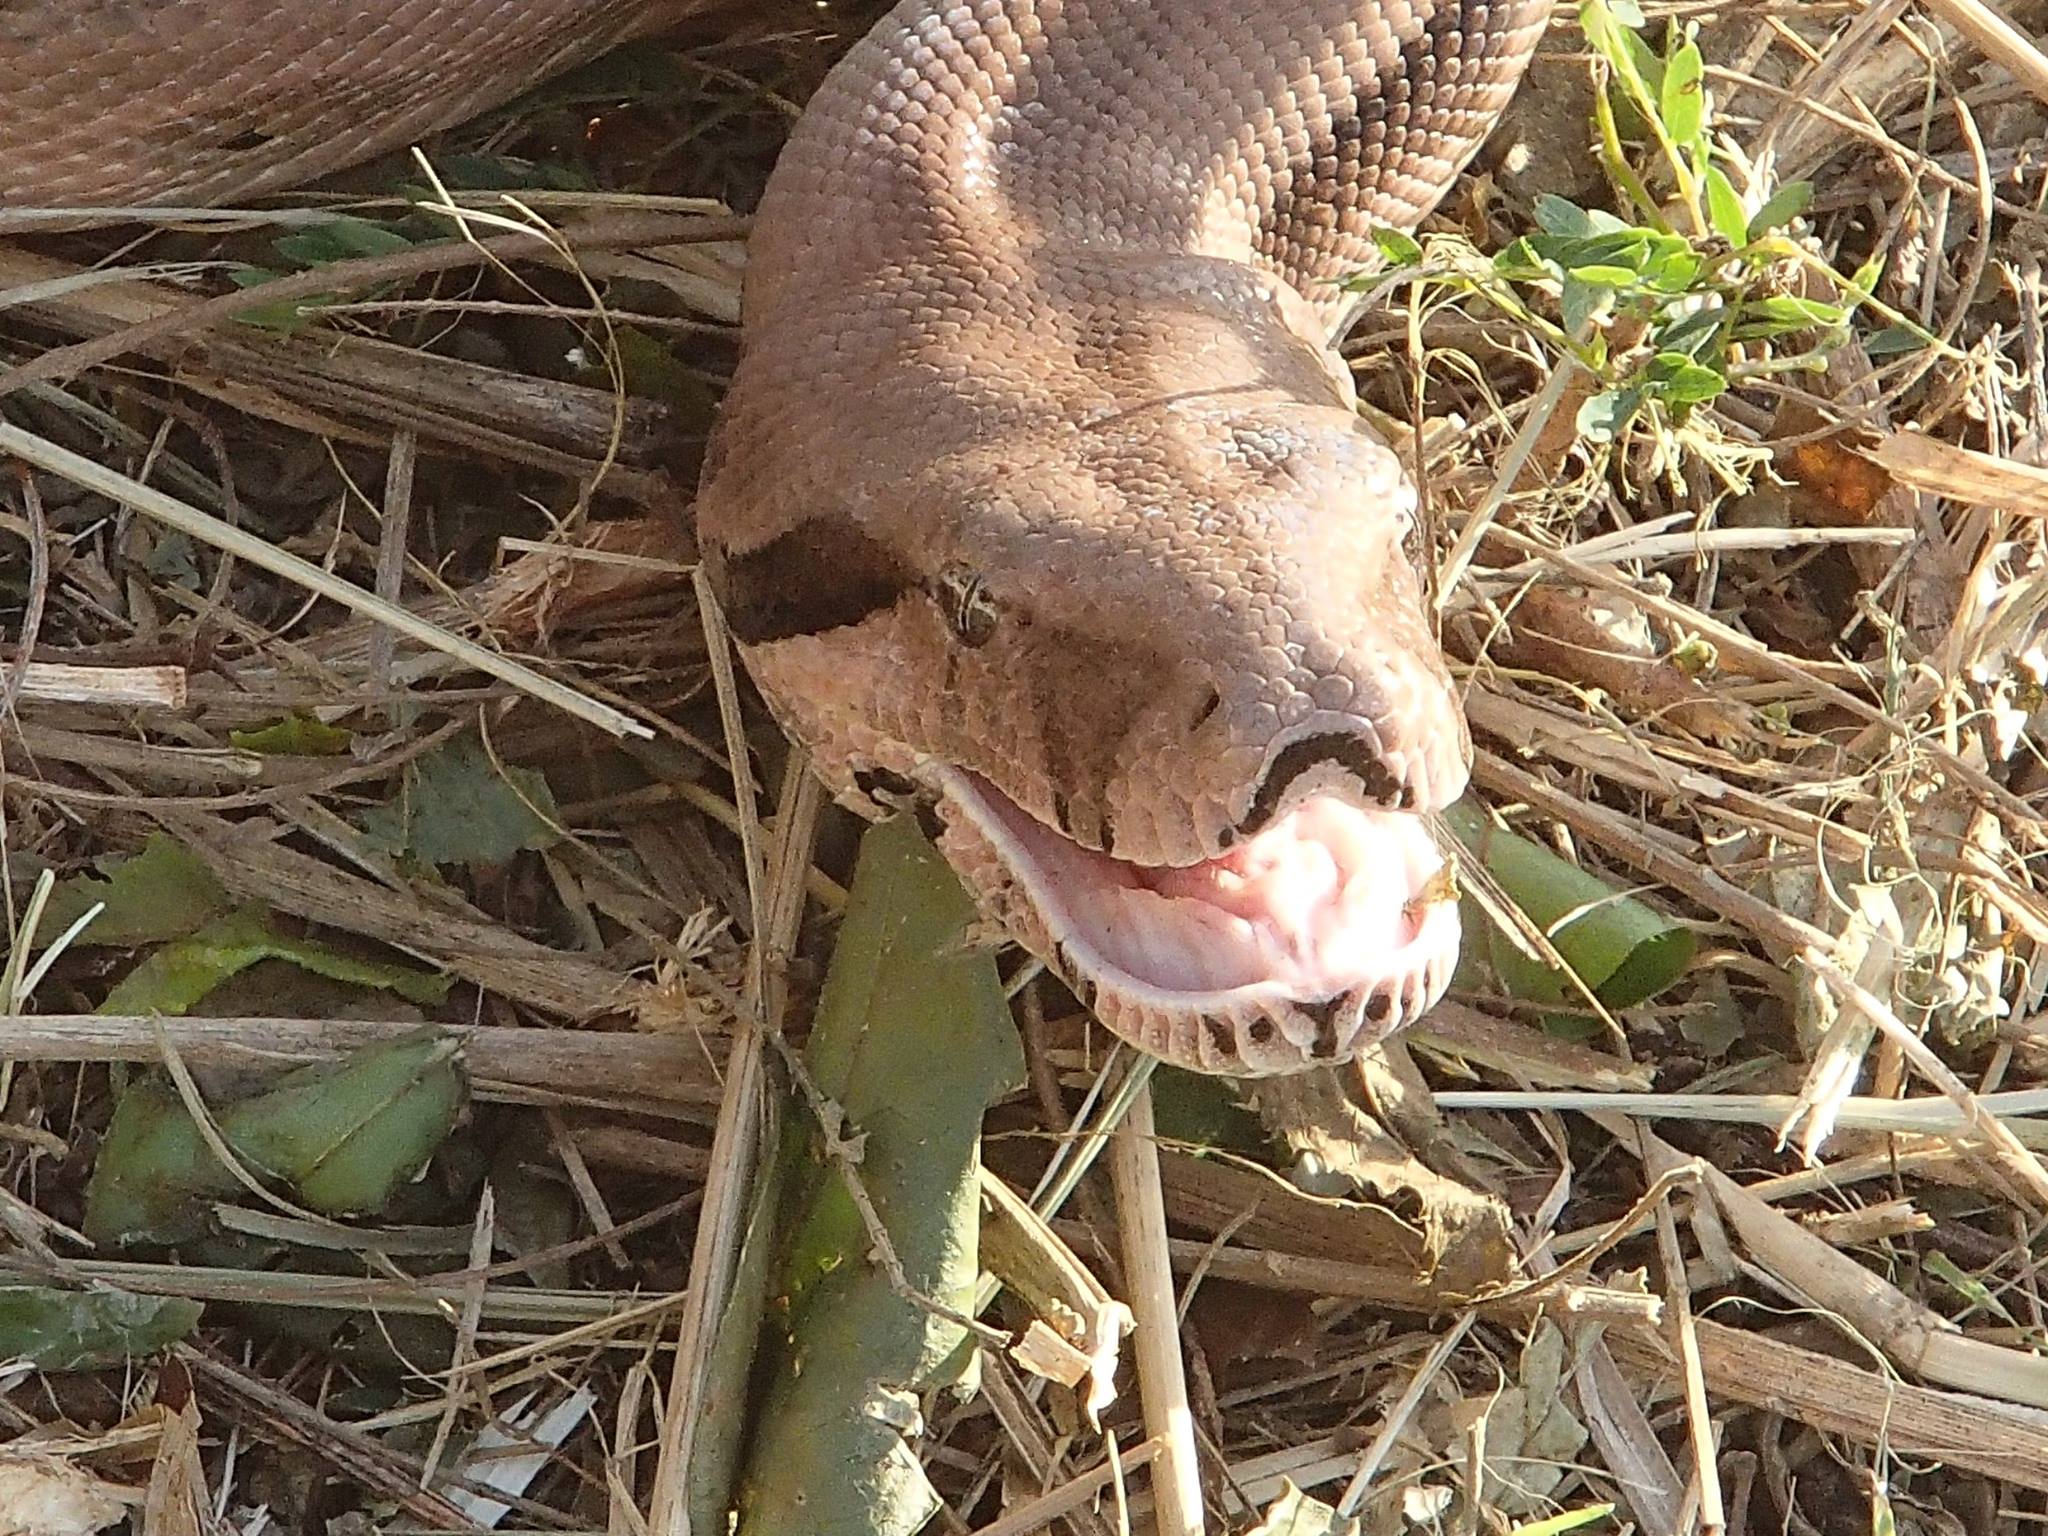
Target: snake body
point(1039, 493)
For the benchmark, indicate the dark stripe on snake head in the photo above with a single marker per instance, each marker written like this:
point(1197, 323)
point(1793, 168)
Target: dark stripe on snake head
point(823, 574)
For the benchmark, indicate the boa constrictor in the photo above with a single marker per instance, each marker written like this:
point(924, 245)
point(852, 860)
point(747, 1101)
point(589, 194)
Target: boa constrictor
point(1039, 492)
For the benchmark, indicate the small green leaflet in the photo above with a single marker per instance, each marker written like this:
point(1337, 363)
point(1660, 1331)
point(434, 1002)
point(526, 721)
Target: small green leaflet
point(175, 978)
point(1681, 381)
point(1724, 208)
point(59, 1330)
point(1781, 208)
point(454, 806)
point(342, 239)
point(1602, 418)
point(163, 892)
point(1399, 249)
point(1683, 99)
point(1965, 1284)
point(294, 736)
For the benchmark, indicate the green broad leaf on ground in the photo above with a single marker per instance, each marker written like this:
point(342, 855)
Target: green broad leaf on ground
point(1692, 334)
point(1616, 250)
point(286, 316)
point(340, 1138)
point(1603, 274)
point(177, 977)
point(163, 892)
point(294, 736)
point(1621, 948)
point(342, 239)
point(912, 1041)
point(59, 1330)
point(1583, 304)
point(454, 806)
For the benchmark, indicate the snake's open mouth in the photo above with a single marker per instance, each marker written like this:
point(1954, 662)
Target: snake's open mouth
point(1330, 928)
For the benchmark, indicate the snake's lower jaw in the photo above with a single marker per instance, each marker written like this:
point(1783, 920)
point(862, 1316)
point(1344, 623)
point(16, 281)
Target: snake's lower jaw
point(1301, 947)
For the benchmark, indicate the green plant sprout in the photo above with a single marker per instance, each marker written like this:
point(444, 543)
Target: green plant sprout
point(1678, 299)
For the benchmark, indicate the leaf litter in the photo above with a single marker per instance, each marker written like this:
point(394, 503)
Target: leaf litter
point(1723, 371)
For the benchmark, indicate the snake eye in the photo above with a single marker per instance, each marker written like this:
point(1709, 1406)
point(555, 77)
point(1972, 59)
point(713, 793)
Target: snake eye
point(964, 598)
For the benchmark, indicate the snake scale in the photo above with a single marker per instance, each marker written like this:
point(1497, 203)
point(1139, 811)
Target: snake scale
point(1039, 494)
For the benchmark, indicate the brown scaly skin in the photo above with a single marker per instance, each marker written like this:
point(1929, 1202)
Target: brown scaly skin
point(189, 102)
point(1038, 464)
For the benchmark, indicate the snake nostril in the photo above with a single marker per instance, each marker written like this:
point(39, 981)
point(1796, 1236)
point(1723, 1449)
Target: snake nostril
point(1211, 701)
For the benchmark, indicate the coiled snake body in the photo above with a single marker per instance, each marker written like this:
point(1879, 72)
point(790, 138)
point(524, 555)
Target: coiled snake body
point(1038, 489)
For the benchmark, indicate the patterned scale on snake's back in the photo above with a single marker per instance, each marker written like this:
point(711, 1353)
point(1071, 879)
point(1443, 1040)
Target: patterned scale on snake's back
point(126, 102)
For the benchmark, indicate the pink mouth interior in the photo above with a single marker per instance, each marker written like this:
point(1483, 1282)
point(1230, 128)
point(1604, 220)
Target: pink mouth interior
point(1323, 902)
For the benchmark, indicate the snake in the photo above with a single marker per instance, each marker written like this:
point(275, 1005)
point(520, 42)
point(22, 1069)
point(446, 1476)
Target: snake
point(1040, 500)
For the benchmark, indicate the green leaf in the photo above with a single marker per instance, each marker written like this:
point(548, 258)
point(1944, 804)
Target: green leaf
point(57, 1330)
point(1602, 275)
point(343, 239)
point(1788, 310)
point(1625, 248)
point(1559, 216)
point(1692, 334)
point(1520, 262)
point(1781, 208)
point(455, 807)
point(1966, 1285)
point(288, 316)
point(1644, 72)
point(1602, 418)
point(1398, 248)
point(1724, 208)
point(1582, 305)
point(344, 1137)
point(1622, 949)
point(1673, 267)
point(1681, 381)
point(294, 736)
point(163, 892)
point(1683, 97)
point(1894, 340)
point(341, 1137)
point(913, 1040)
point(176, 978)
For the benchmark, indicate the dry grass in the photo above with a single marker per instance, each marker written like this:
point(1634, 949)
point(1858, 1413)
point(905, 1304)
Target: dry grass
point(1766, 1260)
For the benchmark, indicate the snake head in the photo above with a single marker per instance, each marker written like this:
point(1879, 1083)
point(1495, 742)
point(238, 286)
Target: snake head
point(1184, 728)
